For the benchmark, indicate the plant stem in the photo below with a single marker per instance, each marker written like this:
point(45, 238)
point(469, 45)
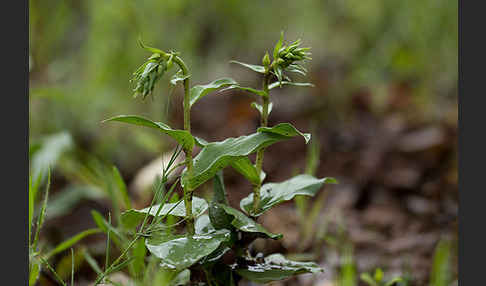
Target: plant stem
point(260, 153)
point(188, 153)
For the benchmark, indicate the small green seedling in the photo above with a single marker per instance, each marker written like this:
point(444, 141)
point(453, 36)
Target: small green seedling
point(214, 248)
point(377, 279)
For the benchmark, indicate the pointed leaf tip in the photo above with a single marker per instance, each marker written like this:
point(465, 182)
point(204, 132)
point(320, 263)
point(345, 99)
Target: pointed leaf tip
point(273, 194)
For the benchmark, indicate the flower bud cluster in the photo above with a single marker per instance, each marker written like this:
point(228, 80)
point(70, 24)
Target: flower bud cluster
point(286, 58)
point(147, 75)
point(288, 55)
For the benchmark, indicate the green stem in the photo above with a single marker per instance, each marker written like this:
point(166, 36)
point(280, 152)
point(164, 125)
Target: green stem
point(188, 153)
point(260, 153)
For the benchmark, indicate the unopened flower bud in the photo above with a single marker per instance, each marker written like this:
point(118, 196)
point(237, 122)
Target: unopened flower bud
point(266, 60)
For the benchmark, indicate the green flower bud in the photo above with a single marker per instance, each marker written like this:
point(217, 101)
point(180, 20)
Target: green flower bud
point(266, 60)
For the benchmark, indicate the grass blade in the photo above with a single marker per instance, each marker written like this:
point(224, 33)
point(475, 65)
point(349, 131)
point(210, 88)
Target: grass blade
point(92, 262)
point(122, 188)
point(107, 254)
point(53, 271)
point(71, 241)
point(440, 273)
point(42, 214)
point(34, 273)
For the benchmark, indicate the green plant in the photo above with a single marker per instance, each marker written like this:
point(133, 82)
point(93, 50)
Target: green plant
point(440, 273)
point(377, 279)
point(225, 233)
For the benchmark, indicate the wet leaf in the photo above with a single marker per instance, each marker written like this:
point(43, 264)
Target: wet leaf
point(275, 193)
point(218, 217)
point(181, 136)
point(203, 225)
point(257, 68)
point(199, 91)
point(276, 267)
point(246, 224)
point(131, 218)
point(180, 252)
point(217, 155)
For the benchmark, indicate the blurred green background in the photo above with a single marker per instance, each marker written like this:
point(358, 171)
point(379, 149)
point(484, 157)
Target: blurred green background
point(371, 59)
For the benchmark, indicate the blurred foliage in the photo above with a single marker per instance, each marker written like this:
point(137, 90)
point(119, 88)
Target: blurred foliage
point(82, 54)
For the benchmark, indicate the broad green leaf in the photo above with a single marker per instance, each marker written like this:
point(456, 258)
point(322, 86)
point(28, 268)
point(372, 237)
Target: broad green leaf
point(183, 137)
point(131, 218)
point(246, 224)
point(180, 252)
point(245, 167)
point(276, 267)
point(217, 155)
point(71, 241)
point(219, 189)
point(285, 129)
point(249, 89)
point(258, 107)
point(199, 91)
point(203, 225)
point(276, 84)
point(218, 217)
point(257, 68)
point(275, 193)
